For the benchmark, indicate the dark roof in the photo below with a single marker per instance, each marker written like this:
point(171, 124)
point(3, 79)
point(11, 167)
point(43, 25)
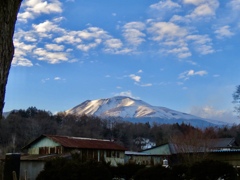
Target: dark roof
point(223, 142)
point(80, 143)
point(210, 145)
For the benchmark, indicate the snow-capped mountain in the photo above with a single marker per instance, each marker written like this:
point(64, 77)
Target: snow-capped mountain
point(137, 111)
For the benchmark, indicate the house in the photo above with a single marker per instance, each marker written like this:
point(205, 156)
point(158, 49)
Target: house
point(88, 148)
point(223, 149)
point(142, 158)
point(47, 147)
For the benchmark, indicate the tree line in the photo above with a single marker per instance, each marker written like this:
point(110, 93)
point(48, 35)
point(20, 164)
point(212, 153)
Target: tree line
point(22, 126)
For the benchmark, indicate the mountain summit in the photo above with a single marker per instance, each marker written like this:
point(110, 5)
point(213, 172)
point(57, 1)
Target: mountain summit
point(135, 110)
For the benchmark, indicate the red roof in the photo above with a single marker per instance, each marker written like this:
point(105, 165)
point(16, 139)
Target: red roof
point(81, 143)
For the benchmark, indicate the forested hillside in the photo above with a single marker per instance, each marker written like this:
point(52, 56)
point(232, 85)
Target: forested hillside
point(22, 126)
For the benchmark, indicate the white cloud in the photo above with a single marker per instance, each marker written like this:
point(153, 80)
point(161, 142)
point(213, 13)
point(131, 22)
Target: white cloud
point(210, 112)
point(203, 9)
point(187, 74)
point(146, 85)
point(50, 57)
point(223, 31)
point(140, 71)
point(46, 26)
point(57, 78)
point(181, 52)
point(171, 38)
point(166, 30)
point(113, 43)
point(202, 43)
point(163, 5)
point(164, 9)
point(21, 61)
point(68, 38)
point(87, 47)
point(21, 51)
point(194, 2)
point(135, 77)
point(92, 33)
point(33, 8)
point(126, 93)
point(178, 19)
point(133, 34)
point(54, 47)
point(235, 4)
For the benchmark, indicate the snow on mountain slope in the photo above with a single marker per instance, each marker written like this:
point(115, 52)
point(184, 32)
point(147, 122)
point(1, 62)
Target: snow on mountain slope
point(126, 107)
point(129, 108)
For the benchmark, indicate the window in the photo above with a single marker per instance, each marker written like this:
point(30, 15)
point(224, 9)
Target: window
point(108, 153)
point(52, 150)
point(43, 150)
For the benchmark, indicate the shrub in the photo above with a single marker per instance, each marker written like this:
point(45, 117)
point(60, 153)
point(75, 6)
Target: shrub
point(62, 169)
point(154, 173)
point(126, 171)
point(211, 170)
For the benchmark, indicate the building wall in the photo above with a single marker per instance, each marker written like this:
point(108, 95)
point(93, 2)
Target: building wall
point(160, 150)
point(44, 142)
point(232, 158)
point(109, 156)
point(31, 169)
point(147, 160)
point(117, 157)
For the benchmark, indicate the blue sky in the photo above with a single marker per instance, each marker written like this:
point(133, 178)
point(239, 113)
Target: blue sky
point(180, 54)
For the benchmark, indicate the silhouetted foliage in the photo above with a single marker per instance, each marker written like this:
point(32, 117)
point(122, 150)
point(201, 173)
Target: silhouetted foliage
point(236, 99)
point(154, 173)
point(62, 169)
point(126, 171)
point(212, 170)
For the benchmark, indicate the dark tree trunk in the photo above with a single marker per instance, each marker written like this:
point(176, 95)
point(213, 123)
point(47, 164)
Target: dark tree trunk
point(8, 16)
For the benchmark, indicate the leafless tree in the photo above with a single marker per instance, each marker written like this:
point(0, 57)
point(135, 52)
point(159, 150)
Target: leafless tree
point(8, 16)
point(192, 146)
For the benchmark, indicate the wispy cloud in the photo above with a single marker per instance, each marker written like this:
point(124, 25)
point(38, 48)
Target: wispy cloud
point(133, 34)
point(235, 4)
point(135, 77)
point(126, 93)
point(187, 74)
point(162, 9)
point(204, 8)
point(145, 85)
point(210, 112)
point(223, 31)
point(201, 43)
point(163, 5)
